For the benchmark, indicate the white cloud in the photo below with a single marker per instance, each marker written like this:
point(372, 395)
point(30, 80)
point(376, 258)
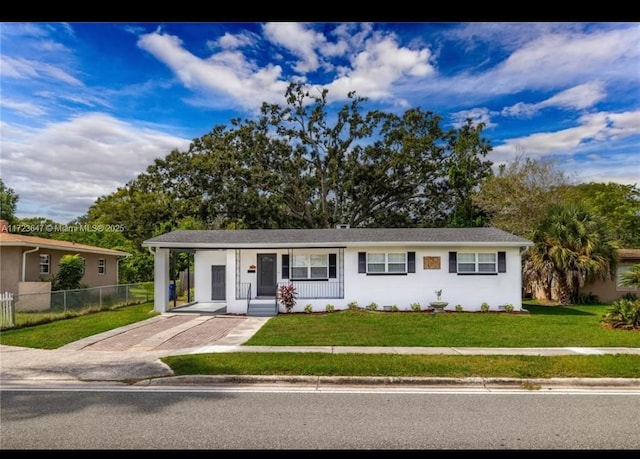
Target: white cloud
point(232, 41)
point(62, 169)
point(477, 115)
point(299, 40)
point(599, 127)
point(618, 168)
point(24, 108)
point(560, 57)
point(227, 73)
point(595, 132)
point(579, 97)
point(382, 63)
point(376, 65)
point(25, 68)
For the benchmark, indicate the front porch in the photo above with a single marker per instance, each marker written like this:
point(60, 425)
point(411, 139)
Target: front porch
point(246, 281)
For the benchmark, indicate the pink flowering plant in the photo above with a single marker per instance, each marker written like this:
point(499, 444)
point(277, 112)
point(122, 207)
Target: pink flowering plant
point(287, 296)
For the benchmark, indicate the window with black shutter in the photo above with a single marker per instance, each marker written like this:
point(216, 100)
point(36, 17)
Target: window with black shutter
point(332, 265)
point(285, 266)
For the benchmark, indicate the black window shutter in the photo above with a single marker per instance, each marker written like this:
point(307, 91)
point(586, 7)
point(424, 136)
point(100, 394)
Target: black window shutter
point(362, 262)
point(502, 262)
point(285, 266)
point(411, 262)
point(332, 265)
point(453, 262)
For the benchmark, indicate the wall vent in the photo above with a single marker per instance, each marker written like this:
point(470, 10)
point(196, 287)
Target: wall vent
point(342, 226)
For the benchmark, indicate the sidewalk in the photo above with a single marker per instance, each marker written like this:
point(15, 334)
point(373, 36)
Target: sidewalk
point(131, 355)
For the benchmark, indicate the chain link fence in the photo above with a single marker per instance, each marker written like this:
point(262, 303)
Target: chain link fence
point(73, 301)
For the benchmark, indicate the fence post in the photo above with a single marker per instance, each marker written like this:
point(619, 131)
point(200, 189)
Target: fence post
point(7, 310)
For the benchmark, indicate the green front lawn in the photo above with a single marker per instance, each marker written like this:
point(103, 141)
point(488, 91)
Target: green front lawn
point(544, 326)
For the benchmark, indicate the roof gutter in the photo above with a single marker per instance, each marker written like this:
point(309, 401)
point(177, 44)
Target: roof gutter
point(24, 261)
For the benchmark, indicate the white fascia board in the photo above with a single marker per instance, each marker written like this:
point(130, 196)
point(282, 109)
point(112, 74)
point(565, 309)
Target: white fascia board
point(285, 245)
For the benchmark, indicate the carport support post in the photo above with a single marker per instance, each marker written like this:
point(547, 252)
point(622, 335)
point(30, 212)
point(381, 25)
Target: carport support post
point(161, 280)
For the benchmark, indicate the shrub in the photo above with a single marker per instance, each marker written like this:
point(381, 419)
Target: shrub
point(508, 307)
point(352, 305)
point(70, 272)
point(623, 314)
point(395, 308)
point(588, 298)
point(373, 306)
point(329, 308)
point(287, 296)
point(415, 307)
point(484, 307)
point(458, 308)
point(308, 309)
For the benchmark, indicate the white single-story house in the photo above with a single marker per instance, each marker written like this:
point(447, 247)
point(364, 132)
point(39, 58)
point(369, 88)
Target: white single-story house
point(242, 269)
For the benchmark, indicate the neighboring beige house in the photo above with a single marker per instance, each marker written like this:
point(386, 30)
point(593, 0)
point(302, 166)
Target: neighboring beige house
point(611, 290)
point(27, 261)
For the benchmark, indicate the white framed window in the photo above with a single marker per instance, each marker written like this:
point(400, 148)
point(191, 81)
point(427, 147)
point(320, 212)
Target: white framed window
point(45, 264)
point(310, 266)
point(393, 262)
point(477, 262)
point(102, 266)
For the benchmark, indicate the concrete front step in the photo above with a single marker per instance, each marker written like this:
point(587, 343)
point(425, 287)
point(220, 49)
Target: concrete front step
point(262, 309)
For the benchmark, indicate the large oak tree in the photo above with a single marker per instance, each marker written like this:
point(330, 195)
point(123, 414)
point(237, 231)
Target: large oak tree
point(302, 165)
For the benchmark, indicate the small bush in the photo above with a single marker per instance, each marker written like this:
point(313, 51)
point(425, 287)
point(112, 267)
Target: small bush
point(308, 309)
point(373, 306)
point(623, 314)
point(330, 308)
point(458, 308)
point(415, 307)
point(352, 305)
point(395, 308)
point(508, 307)
point(484, 307)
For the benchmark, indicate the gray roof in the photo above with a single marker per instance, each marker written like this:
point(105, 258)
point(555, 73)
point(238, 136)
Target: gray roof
point(347, 237)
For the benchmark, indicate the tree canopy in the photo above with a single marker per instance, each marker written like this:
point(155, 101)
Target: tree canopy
point(617, 204)
point(8, 203)
point(300, 166)
point(517, 197)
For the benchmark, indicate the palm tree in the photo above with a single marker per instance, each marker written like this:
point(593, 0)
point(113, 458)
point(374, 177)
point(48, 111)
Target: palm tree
point(570, 249)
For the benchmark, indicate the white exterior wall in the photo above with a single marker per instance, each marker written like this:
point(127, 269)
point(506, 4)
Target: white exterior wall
point(161, 280)
point(202, 262)
point(470, 291)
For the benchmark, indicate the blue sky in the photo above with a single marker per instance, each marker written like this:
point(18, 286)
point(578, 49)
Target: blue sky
point(87, 106)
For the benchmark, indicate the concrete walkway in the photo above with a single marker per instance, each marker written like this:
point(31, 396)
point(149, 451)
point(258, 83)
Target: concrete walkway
point(131, 355)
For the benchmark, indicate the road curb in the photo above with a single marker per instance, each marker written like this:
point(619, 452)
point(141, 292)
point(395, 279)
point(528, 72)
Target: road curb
point(628, 383)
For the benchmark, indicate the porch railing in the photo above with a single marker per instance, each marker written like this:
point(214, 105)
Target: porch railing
point(304, 290)
point(310, 290)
